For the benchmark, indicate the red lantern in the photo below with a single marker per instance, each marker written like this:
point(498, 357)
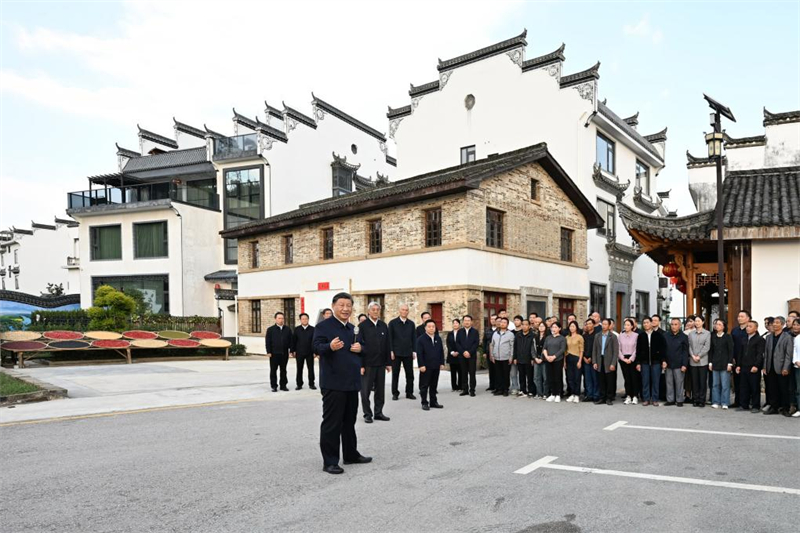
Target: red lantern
point(670, 270)
point(675, 280)
point(682, 286)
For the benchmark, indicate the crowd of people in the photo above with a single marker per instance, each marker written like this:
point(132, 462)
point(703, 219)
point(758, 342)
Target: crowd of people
point(684, 363)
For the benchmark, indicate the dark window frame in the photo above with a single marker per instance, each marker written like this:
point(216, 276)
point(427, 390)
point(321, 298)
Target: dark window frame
point(495, 220)
point(646, 301)
point(255, 260)
point(255, 316)
point(568, 251)
point(609, 230)
point(433, 227)
point(288, 249)
point(166, 239)
point(93, 245)
point(289, 312)
point(646, 175)
point(535, 190)
point(375, 234)
point(341, 180)
point(227, 242)
point(327, 243)
point(468, 154)
point(611, 149)
point(96, 281)
point(598, 291)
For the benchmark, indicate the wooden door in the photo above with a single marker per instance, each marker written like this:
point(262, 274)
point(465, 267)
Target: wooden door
point(619, 317)
point(436, 315)
point(565, 308)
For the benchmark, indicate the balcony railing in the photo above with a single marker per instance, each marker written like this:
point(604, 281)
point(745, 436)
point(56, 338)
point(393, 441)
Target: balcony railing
point(238, 147)
point(188, 193)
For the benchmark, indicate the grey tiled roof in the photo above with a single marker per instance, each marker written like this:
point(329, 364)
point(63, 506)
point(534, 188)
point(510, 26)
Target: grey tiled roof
point(410, 189)
point(425, 88)
point(696, 162)
point(546, 59)
point(272, 111)
point(399, 112)
point(658, 137)
point(341, 115)
point(732, 142)
point(298, 116)
point(632, 120)
point(221, 275)
point(592, 73)
point(750, 198)
point(477, 55)
point(624, 126)
point(391, 160)
point(125, 152)
point(190, 130)
point(156, 138)
point(772, 119)
point(174, 158)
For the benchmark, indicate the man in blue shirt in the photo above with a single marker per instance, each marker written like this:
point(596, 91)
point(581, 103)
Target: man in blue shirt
point(340, 381)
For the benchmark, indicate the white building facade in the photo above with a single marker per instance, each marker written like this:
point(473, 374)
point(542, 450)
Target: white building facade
point(494, 100)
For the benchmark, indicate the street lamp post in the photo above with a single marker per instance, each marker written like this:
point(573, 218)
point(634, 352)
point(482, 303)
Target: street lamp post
point(714, 141)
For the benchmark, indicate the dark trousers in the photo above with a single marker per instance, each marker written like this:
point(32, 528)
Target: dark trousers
point(651, 381)
point(429, 385)
point(502, 378)
point(574, 375)
point(526, 384)
point(779, 391)
point(278, 361)
point(749, 389)
point(339, 410)
point(555, 377)
point(590, 382)
point(373, 375)
point(492, 373)
point(455, 374)
point(608, 383)
point(308, 361)
point(467, 368)
point(630, 376)
point(408, 366)
point(699, 384)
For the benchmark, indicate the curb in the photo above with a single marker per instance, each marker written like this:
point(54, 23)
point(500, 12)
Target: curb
point(48, 390)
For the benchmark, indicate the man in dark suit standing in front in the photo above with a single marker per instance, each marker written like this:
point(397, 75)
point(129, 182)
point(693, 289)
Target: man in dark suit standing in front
point(340, 381)
point(467, 341)
point(375, 361)
point(302, 350)
point(402, 339)
point(430, 359)
point(279, 343)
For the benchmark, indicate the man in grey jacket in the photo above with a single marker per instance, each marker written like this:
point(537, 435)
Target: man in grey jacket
point(777, 365)
point(605, 355)
point(699, 346)
point(502, 353)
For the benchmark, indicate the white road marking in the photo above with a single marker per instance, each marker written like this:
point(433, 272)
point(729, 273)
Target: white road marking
point(547, 462)
point(623, 424)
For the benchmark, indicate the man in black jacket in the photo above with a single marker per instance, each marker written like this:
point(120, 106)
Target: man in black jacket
point(431, 360)
point(453, 358)
point(303, 351)
point(650, 351)
point(278, 340)
point(420, 331)
point(748, 369)
point(487, 341)
point(374, 339)
point(402, 339)
point(467, 342)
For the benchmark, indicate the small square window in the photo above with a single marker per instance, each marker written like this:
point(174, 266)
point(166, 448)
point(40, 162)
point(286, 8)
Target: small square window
point(534, 189)
point(467, 154)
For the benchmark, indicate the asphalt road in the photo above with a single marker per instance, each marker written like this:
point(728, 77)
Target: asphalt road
point(254, 465)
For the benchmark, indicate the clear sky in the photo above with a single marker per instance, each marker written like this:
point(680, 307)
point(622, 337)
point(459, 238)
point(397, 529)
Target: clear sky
point(77, 77)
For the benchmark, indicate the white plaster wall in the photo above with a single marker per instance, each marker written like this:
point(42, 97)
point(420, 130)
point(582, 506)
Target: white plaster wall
point(783, 145)
point(745, 157)
point(776, 277)
point(188, 141)
point(703, 186)
point(42, 258)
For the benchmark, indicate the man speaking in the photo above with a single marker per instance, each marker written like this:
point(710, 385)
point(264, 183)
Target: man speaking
point(340, 381)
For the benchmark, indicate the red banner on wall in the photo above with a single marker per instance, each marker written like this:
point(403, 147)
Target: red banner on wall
point(302, 304)
point(323, 286)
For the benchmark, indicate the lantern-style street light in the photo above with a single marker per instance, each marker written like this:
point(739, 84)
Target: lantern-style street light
point(714, 141)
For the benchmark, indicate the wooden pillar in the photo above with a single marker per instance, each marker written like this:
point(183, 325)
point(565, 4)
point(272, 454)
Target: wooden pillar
point(20, 360)
point(226, 355)
point(128, 356)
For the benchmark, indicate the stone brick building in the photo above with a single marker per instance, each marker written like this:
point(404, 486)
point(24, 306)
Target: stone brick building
point(508, 231)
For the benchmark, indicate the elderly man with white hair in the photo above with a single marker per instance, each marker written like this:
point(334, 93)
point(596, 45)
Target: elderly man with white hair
point(402, 340)
point(375, 361)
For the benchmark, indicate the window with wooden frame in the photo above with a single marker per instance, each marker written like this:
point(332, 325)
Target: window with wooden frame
point(254, 259)
point(375, 231)
point(535, 189)
point(288, 249)
point(433, 227)
point(255, 316)
point(288, 312)
point(566, 244)
point(327, 243)
point(494, 228)
point(467, 154)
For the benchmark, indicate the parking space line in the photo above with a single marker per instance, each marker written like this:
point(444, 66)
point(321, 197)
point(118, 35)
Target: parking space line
point(547, 462)
point(623, 424)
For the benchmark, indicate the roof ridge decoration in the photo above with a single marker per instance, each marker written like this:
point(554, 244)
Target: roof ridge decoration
point(295, 116)
point(692, 227)
point(241, 119)
point(658, 137)
point(774, 119)
point(604, 110)
point(391, 160)
point(632, 120)
point(37, 225)
point(489, 51)
point(585, 82)
point(268, 134)
point(422, 90)
point(614, 186)
point(322, 108)
point(381, 179)
point(643, 202)
point(399, 112)
point(124, 152)
point(698, 162)
point(156, 138)
point(551, 61)
point(186, 128)
point(211, 133)
point(69, 223)
point(341, 161)
point(623, 252)
point(21, 231)
point(272, 112)
point(741, 142)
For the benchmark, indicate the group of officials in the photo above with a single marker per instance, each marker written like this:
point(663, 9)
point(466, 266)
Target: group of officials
point(528, 357)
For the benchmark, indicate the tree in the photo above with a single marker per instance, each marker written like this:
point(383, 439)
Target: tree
point(143, 307)
point(112, 309)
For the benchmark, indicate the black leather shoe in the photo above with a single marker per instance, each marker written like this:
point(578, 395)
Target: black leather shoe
point(395, 397)
point(609, 402)
point(382, 417)
point(425, 407)
point(755, 410)
point(299, 387)
point(497, 393)
point(505, 393)
point(368, 420)
point(274, 389)
point(312, 387)
point(472, 394)
point(599, 402)
point(286, 389)
point(490, 389)
point(465, 393)
point(360, 460)
point(680, 404)
point(771, 411)
point(668, 404)
point(333, 469)
point(437, 406)
point(411, 397)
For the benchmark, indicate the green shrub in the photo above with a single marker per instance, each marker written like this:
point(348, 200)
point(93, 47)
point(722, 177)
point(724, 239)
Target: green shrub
point(237, 349)
point(112, 310)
